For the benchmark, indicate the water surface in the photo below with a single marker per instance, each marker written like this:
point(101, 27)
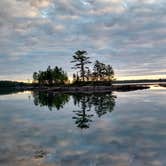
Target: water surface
point(119, 129)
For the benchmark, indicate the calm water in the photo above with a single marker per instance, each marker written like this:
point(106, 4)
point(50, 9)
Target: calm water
point(119, 129)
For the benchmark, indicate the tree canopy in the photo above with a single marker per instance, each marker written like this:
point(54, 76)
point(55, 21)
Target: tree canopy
point(96, 73)
point(50, 76)
point(102, 72)
point(81, 61)
point(99, 72)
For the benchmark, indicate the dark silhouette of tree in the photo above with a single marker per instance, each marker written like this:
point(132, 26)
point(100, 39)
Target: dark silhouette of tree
point(74, 77)
point(102, 72)
point(9, 87)
point(88, 75)
point(59, 76)
point(50, 76)
point(109, 73)
point(98, 70)
point(81, 61)
point(35, 76)
point(77, 77)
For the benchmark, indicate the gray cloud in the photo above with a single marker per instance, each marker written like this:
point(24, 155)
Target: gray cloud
point(129, 34)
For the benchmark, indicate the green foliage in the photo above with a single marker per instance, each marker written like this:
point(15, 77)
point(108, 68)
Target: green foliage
point(100, 72)
point(56, 76)
point(81, 61)
point(50, 77)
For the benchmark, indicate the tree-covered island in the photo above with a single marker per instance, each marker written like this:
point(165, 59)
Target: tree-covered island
point(86, 72)
point(87, 77)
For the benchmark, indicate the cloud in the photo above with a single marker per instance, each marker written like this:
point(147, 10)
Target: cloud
point(126, 33)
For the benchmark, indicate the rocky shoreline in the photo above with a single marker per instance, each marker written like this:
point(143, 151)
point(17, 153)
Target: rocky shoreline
point(87, 89)
point(162, 85)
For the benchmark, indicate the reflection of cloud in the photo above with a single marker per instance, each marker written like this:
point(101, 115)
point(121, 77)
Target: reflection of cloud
point(128, 136)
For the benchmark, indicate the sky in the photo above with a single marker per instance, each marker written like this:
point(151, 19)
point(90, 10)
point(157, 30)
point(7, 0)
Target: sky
point(128, 34)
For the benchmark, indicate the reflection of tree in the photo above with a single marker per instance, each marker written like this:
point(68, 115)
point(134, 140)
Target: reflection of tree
point(50, 99)
point(82, 118)
point(87, 104)
point(102, 103)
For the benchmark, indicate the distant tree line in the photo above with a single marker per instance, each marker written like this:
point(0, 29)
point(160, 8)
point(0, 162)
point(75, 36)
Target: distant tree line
point(9, 87)
point(100, 71)
point(50, 76)
point(8, 84)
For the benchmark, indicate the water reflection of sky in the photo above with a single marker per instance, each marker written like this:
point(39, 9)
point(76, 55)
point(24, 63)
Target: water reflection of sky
point(132, 134)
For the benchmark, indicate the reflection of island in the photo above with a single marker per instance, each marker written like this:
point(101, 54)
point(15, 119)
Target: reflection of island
point(100, 103)
point(85, 105)
point(82, 117)
point(50, 99)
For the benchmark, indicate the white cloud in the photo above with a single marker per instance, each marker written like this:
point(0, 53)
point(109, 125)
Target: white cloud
point(122, 32)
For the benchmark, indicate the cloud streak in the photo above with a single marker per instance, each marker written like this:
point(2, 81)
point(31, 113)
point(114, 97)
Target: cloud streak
point(129, 34)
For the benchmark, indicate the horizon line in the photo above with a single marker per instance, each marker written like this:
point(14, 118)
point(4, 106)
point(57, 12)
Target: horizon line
point(121, 78)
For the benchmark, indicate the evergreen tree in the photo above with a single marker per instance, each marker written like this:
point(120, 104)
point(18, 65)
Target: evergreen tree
point(50, 76)
point(102, 72)
point(81, 61)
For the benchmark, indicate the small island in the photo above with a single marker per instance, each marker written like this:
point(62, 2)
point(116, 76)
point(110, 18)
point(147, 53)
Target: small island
point(88, 77)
